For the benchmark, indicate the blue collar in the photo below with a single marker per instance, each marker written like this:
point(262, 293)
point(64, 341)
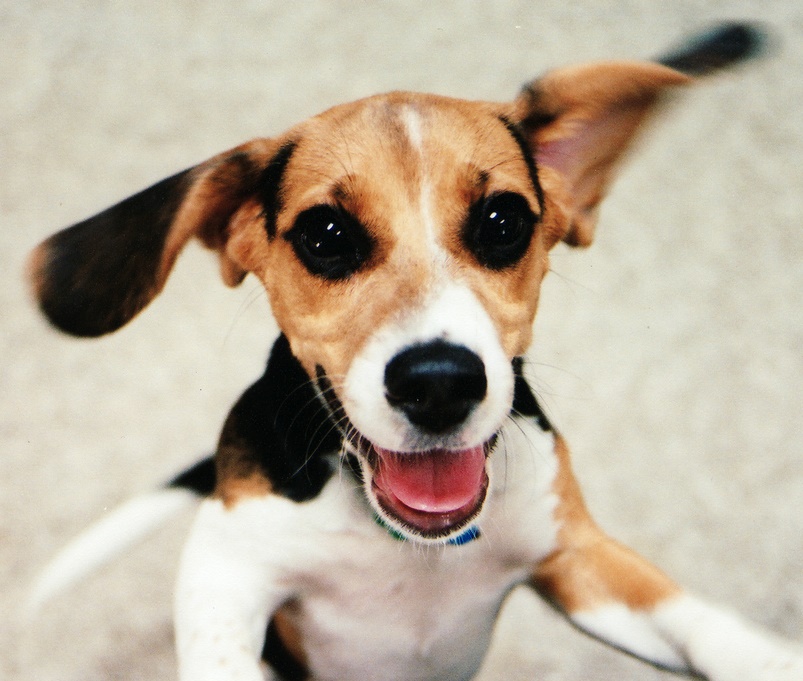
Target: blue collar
point(468, 535)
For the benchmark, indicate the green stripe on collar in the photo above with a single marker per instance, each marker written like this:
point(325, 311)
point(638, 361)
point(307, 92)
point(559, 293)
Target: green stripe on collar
point(465, 537)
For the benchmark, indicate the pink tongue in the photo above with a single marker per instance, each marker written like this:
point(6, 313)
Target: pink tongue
point(437, 481)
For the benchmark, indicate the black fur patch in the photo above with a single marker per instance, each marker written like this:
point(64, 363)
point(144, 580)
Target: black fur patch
point(529, 158)
point(200, 478)
point(271, 186)
point(281, 660)
point(524, 402)
point(716, 49)
point(280, 428)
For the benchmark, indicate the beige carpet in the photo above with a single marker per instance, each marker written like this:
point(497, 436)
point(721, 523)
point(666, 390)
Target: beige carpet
point(669, 353)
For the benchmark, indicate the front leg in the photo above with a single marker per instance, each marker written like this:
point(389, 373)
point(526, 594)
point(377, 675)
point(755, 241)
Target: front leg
point(224, 597)
point(615, 595)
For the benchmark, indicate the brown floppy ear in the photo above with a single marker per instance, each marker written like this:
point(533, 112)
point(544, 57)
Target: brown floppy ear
point(92, 278)
point(581, 120)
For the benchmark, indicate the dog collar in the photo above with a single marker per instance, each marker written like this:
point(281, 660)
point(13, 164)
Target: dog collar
point(468, 535)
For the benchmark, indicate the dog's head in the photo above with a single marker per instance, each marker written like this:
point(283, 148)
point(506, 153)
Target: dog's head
point(402, 241)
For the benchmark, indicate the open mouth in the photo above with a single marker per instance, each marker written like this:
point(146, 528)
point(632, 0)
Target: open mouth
point(433, 493)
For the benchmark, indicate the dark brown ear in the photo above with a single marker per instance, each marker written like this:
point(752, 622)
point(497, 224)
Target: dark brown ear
point(92, 278)
point(580, 121)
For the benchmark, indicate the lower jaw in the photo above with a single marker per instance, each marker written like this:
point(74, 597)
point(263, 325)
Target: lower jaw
point(416, 524)
point(425, 525)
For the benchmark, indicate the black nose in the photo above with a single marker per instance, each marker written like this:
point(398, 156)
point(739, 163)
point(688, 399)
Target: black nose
point(435, 384)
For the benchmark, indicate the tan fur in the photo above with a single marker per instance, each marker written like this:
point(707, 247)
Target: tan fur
point(289, 634)
point(584, 119)
point(327, 323)
point(238, 475)
point(231, 489)
point(589, 569)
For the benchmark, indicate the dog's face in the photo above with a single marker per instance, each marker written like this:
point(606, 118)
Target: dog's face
point(408, 196)
point(402, 241)
point(404, 265)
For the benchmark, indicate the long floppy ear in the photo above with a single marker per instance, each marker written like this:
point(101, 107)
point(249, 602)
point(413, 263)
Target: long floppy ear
point(581, 120)
point(92, 278)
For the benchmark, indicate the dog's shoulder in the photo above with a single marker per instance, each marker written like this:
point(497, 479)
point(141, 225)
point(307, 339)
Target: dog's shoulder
point(277, 437)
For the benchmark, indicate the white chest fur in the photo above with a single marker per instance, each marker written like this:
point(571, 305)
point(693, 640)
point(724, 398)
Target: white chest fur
point(367, 605)
point(404, 613)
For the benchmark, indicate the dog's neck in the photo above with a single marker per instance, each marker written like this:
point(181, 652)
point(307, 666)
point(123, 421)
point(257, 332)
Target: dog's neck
point(467, 536)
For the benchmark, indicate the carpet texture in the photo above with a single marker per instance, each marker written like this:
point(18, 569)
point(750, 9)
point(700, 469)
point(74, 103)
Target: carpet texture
point(669, 353)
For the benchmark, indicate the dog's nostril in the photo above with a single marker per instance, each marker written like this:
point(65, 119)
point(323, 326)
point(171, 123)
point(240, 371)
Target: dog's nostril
point(435, 384)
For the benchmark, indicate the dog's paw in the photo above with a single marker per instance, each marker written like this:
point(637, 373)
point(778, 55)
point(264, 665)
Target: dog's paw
point(722, 646)
point(782, 663)
point(758, 658)
point(752, 656)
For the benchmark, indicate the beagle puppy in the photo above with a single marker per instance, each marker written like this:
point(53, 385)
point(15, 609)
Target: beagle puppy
point(378, 492)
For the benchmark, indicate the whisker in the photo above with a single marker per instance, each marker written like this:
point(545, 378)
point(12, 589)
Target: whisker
point(572, 283)
point(257, 292)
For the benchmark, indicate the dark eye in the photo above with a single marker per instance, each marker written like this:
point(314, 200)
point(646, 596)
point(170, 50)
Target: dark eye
point(499, 230)
point(329, 242)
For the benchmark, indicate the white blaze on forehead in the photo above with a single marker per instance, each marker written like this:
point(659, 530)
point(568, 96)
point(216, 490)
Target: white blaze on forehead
point(415, 134)
point(412, 125)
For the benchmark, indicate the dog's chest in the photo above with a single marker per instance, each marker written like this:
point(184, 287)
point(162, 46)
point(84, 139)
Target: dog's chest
point(425, 615)
point(372, 607)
